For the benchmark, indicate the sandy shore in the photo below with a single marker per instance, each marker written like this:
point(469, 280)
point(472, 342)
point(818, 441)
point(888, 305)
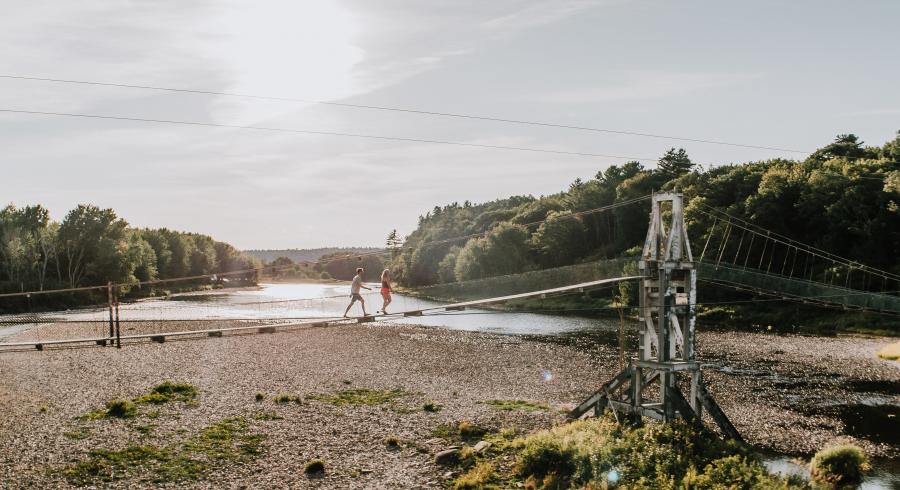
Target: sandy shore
point(780, 392)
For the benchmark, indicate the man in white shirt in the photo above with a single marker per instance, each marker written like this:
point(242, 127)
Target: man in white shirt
point(354, 292)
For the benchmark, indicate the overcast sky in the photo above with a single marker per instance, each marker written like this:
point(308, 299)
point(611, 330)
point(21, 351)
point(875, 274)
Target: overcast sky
point(774, 73)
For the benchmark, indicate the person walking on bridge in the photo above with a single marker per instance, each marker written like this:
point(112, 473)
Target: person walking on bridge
point(385, 290)
point(354, 292)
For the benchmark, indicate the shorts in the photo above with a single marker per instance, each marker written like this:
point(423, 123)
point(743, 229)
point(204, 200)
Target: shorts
point(355, 297)
point(386, 292)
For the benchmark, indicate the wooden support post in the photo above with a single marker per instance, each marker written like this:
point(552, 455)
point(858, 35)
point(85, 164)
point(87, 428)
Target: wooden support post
point(216, 333)
point(268, 329)
point(118, 330)
point(109, 301)
point(158, 339)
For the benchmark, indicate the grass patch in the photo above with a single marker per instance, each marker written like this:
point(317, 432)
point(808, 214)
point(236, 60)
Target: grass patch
point(145, 429)
point(587, 453)
point(510, 405)
point(268, 416)
point(167, 392)
point(359, 396)
point(392, 442)
point(476, 478)
point(162, 393)
point(431, 406)
point(78, 434)
point(228, 441)
point(288, 398)
point(839, 465)
point(120, 409)
point(314, 467)
point(260, 397)
point(441, 431)
point(468, 430)
point(890, 352)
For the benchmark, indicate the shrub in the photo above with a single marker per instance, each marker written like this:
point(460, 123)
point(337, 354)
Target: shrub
point(543, 456)
point(476, 478)
point(315, 467)
point(839, 465)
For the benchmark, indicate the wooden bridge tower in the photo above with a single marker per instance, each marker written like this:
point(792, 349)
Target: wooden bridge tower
point(665, 368)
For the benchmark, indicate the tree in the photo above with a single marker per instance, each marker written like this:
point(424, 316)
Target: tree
point(504, 250)
point(674, 163)
point(560, 240)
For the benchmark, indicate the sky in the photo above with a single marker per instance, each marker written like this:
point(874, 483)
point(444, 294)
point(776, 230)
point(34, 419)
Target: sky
point(772, 73)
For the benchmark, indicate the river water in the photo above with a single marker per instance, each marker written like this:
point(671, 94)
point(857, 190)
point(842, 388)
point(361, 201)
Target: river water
point(302, 301)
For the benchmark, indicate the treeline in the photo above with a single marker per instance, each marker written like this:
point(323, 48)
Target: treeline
point(337, 265)
point(92, 246)
point(298, 255)
point(844, 198)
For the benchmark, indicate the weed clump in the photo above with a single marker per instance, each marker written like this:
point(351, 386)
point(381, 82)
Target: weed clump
point(392, 442)
point(260, 397)
point(167, 391)
point(476, 478)
point(431, 406)
point(839, 465)
point(287, 398)
point(509, 405)
point(315, 467)
point(122, 409)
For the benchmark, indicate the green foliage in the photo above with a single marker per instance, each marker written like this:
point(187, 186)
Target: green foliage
point(674, 163)
point(839, 465)
point(676, 455)
point(504, 250)
point(359, 396)
point(92, 246)
point(432, 407)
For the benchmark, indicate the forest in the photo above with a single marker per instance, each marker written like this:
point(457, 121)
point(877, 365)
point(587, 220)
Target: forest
point(844, 198)
point(91, 246)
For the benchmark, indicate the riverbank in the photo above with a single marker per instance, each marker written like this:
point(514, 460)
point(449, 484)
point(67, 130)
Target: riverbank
point(785, 394)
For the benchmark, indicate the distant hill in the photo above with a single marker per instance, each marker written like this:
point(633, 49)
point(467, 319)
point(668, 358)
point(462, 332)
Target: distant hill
point(306, 254)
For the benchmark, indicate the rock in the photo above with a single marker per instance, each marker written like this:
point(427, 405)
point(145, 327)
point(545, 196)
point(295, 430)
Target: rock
point(481, 446)
point(449, 474)
point(436, 440)
point(447, 457)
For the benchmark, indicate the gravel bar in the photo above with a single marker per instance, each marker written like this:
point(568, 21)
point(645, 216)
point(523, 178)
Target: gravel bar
point(779, 391)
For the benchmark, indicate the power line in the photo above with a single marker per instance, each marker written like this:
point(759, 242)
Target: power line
point(322, 133)
point(409, 111)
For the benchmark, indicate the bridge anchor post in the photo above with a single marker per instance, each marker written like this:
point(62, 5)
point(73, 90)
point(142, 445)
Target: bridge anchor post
point(652, 383)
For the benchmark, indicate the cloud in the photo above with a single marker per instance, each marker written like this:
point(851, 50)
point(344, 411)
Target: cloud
point(636, 85)
point(539, 14)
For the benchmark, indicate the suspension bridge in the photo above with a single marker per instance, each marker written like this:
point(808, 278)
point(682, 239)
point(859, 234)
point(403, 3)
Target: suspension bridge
point(662, 380)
